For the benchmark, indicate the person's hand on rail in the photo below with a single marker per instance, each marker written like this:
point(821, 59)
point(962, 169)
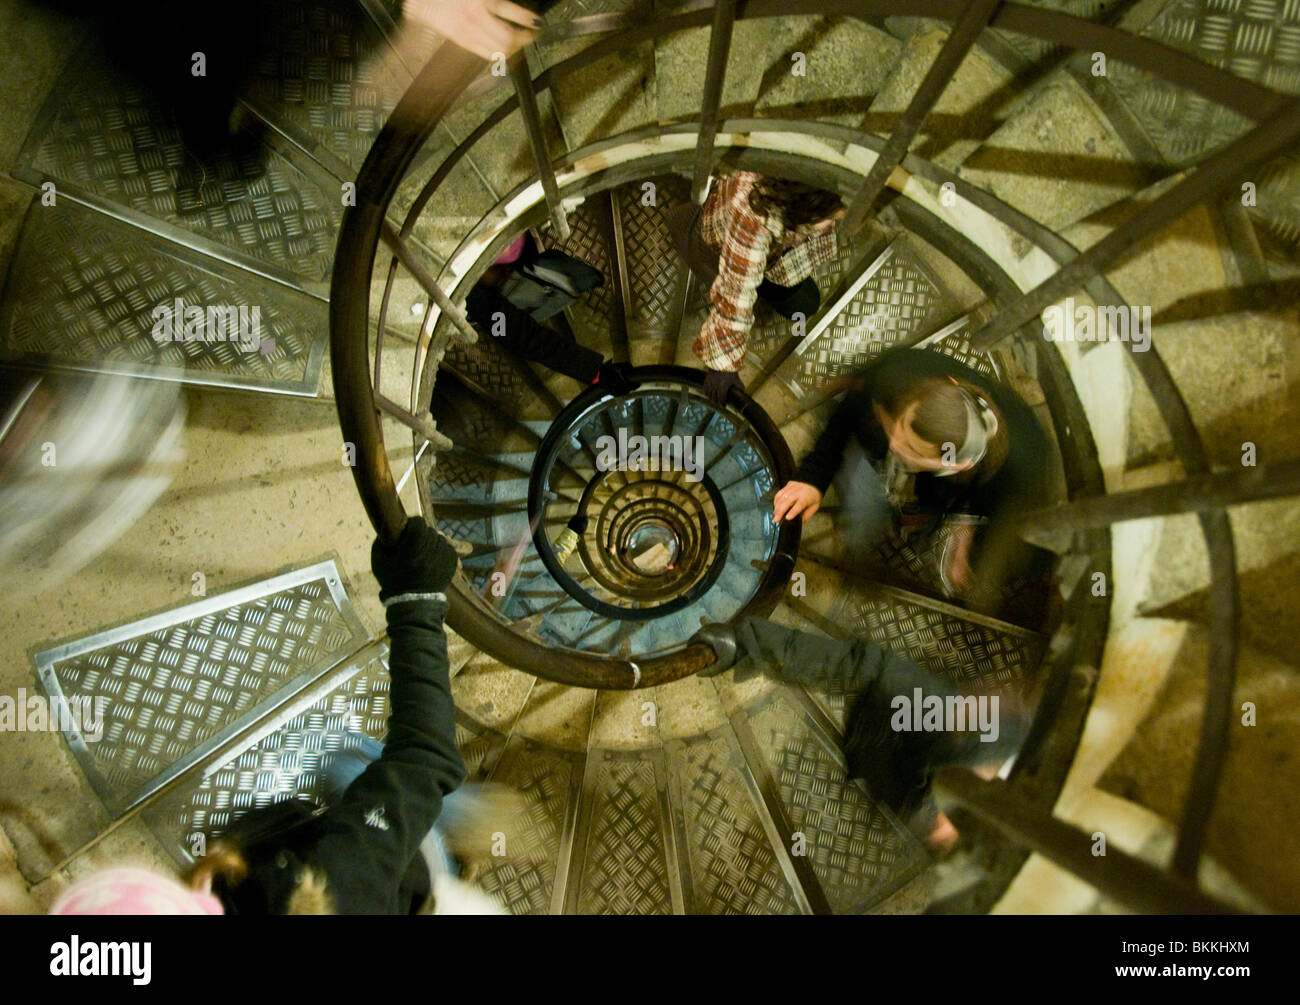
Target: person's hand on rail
point(487, 28)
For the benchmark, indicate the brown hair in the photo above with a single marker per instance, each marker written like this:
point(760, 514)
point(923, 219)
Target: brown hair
point(940, 418)
point(800, 204)
point(225, 862)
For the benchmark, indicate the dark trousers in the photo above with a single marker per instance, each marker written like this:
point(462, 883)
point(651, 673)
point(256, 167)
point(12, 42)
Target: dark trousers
point(896, 766)
point(791, 300)
point(521, 335)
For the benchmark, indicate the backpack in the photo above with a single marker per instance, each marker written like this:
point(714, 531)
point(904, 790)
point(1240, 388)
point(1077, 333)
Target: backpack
point(549, 283)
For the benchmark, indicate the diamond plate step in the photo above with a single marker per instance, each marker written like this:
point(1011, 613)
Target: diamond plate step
point(728, 861)
point(332, 77)
point(107, 137)
point(289, 762)
point(859, 852)
point(901, 301)
point(1256, 40)
point(622, 866)
point(178, 684)
point(525, 878)
point(288, 755)
point(653, 276)
point(82, 293)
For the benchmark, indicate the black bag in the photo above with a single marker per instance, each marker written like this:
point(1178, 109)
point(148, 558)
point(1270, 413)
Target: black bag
point(549, 283)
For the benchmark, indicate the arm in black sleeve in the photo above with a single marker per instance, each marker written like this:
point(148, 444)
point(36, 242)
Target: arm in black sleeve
point(820, 465)
point(369, 838)
point(530, 339)
point(375, 830)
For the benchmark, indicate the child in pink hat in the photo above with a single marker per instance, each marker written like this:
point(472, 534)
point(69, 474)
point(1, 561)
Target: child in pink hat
point(131, 890)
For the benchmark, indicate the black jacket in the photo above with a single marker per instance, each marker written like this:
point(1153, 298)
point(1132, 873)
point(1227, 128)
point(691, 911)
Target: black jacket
point(1017, 482)
point(366, 846)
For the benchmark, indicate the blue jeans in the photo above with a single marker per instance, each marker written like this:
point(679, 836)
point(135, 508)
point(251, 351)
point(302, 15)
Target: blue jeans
point(866, 514)
point(347, 767)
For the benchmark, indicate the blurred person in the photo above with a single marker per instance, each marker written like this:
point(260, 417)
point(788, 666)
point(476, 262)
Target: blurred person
point(133, 890)
point(922, 442)
point(372, 850)
point(81, 459)
point(896, 764)
point(755, 238)
point(157, 43)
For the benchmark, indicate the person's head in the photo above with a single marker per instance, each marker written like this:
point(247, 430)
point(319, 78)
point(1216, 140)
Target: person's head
point(133, 890)
point(941, 425)
point(801, 205)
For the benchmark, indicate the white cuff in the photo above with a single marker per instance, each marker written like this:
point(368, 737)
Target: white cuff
point(402, 598)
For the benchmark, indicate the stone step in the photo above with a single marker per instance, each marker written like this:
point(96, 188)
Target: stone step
point(971, 106)
point(1058, 160)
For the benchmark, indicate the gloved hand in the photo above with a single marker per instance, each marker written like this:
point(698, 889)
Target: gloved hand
point(422, 561)
point(614, 378)
point(719, 383)
point(722, 640)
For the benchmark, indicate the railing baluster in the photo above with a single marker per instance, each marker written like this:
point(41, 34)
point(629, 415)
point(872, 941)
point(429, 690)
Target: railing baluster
point(424, 427)
point(965, 31)
point(1217, 718)
point(621, 308)
point(523, 82)
point(1196, 494)
point(1236, 160)
point(413, 265)
point(724, 19)
point(1121, 877)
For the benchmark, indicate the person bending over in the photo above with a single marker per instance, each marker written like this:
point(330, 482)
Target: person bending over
point(754, 238)
point(369, 852)
point(923, 441)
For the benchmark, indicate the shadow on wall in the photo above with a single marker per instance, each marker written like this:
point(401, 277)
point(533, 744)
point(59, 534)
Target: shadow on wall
point(1255, 827)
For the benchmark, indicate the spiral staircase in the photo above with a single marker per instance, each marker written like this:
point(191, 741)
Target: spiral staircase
point(979, 150)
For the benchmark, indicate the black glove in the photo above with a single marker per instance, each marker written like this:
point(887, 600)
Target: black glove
point(722, 640)
point(422, 561)
point(718, 384)
point(615, 378)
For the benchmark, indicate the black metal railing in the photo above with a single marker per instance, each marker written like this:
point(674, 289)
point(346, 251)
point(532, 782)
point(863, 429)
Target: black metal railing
point(448, 74)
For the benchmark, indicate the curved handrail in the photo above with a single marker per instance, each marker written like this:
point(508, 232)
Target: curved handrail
point(471, 617)
point(425, 102)
point(445, 77)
